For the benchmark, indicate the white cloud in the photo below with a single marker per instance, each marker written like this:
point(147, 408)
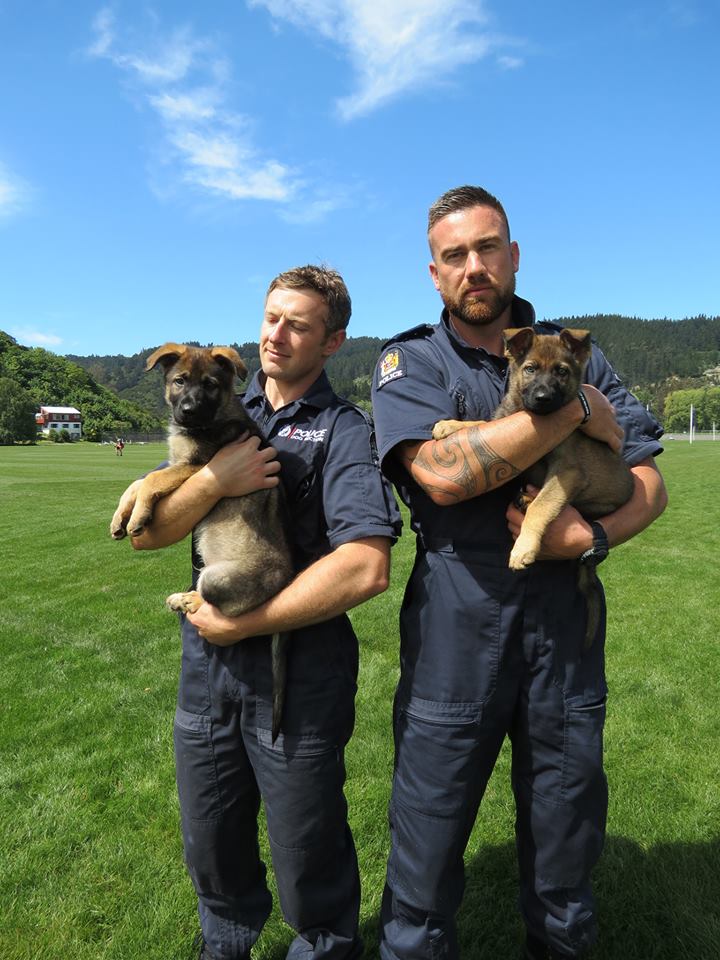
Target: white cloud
point(510, 63)
point(35, 338)
point(395, 46)
point(14, 193)
point(207, 145)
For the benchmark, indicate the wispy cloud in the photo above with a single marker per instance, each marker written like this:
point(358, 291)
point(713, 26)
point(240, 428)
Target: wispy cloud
point(181, 78)
point(14, 193)
point(510, 63)
point(35, 338)
point(396, 46)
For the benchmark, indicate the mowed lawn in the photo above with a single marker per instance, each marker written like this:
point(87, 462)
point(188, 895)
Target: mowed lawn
point(90, 852)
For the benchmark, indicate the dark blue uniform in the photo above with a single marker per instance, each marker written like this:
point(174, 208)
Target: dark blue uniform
point(488, 652)
point(224, 755)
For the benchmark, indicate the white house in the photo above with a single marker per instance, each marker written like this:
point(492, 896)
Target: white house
point(60, 418)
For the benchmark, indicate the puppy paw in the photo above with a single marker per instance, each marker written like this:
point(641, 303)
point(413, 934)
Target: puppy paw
point(522, 556)
point(117, 528)
point(184, 602)
point(138, 521)
point(444, 428)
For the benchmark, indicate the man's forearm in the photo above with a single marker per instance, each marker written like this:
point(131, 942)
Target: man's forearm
point(349, 575)
point(648, 501)
point(175, 515)
point(482, 457)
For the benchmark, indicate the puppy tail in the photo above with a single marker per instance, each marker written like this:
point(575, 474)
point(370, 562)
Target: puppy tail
point(278, 654)
point(589, 586)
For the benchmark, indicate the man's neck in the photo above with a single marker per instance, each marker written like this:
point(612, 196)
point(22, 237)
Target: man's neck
point(487, 336)
point(280, 393)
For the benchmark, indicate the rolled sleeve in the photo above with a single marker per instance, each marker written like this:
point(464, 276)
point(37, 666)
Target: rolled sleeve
point(642, 431)
point(358, 501)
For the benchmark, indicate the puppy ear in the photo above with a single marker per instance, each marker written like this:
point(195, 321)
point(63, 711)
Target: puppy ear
point(518, 342)
point(166, 355)
point(578, 343)
point(228, 356)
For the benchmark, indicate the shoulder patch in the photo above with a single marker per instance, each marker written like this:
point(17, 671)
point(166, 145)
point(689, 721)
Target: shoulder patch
point(391, 366)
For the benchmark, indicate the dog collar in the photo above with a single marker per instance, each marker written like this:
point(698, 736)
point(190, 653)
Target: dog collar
point(600, 546)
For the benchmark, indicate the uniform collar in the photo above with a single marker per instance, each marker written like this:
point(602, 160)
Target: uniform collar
point(523, 315)
point(319, 395)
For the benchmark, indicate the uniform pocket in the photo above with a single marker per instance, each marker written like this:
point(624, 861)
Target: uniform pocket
point(437, 743)
point(195, 766)
point(583, 775)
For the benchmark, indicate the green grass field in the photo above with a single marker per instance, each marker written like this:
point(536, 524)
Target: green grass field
point(90, 853)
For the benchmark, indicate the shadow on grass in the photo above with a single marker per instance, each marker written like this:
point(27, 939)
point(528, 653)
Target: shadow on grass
point(663, 904)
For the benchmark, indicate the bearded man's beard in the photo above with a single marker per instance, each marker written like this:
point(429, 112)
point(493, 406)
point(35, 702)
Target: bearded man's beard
point(478, 312)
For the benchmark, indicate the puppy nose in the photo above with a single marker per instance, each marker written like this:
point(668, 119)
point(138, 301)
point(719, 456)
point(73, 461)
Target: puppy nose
point(189, 403)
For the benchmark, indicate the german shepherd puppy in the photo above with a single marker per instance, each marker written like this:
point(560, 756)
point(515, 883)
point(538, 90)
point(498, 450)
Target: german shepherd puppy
point(545, 373)
point(243, 541)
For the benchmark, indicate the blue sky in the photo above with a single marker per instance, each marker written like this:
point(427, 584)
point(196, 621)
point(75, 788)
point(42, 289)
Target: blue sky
point(159, 163)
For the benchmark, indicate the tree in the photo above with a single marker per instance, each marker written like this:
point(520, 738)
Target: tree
point(706, 403)
point(17, 413)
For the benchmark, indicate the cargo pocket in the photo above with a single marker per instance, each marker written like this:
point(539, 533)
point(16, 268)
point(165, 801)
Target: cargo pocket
point(583, 775)
point(437, 742)
point(195, 766)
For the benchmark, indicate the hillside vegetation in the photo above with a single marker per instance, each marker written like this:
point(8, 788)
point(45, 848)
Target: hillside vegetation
point(669, 364)
point(31, 376)
point(654, 357)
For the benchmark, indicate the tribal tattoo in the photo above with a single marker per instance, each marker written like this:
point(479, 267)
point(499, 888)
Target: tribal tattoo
point(448, 460)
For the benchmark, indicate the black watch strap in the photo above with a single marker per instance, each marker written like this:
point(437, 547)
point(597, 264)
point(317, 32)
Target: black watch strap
point(600, 548)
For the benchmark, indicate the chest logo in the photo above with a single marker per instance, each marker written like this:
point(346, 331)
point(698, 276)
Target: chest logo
point(302, 436)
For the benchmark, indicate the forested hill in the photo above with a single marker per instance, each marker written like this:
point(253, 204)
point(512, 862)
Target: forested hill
point(31, 376)
point(653, 357)
point(649, 351)
point(350, 371)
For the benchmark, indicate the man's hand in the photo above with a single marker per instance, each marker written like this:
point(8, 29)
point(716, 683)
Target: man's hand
point(241, 467)
point(216, 628)
point(602, 424)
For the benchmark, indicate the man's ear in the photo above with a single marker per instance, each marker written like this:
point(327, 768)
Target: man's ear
point(434, 275)
point(333, 342)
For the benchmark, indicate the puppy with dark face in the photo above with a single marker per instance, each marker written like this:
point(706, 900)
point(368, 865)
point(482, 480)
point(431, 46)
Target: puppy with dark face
point(242, 542)
point(546, 372)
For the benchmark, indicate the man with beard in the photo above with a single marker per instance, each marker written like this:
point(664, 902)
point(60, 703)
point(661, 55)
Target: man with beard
point(486, 651)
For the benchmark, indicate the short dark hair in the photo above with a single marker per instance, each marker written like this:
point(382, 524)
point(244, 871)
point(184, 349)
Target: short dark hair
point(324, 281)
point(461, 198)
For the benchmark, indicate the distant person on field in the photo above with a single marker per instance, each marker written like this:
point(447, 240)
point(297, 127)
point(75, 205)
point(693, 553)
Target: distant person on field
point(343, 521)
point(119, 447)
point(488, 652)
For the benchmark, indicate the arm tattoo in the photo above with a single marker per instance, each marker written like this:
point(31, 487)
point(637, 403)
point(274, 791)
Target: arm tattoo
point(448, 461)
point(496, 470)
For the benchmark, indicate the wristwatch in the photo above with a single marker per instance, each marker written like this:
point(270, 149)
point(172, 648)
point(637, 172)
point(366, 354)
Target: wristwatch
point(600, 546)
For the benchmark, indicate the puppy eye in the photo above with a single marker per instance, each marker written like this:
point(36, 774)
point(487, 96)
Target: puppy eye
point(561, 371)
point(209, 383)
point(530, 367)
point(179, 381)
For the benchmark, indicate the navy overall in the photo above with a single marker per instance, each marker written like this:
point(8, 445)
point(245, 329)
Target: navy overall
point(487, 652)
point(225, 760)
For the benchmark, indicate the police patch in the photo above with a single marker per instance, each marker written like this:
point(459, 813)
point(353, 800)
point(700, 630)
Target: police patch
point(391, 366)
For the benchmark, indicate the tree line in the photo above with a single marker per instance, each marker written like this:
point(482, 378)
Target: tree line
point(668, 364)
